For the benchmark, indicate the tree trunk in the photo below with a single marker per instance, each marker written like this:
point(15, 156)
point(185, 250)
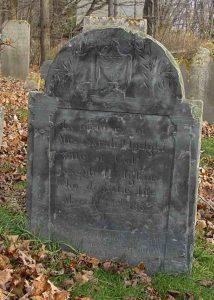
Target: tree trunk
point(201, 21)
point(156, 20)
point(211, 19)
point(4, 13)
point(115, 8)
point(151, 13)
point(13, 9)
point(148, 14)
point(135, 8)
point(111, 8)
point(45, 29)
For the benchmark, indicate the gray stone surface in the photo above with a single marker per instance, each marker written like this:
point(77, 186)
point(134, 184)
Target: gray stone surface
point(44, 68)
point(15, 59)
point(114, 151)
point(1, 123)
point(198, 80)
point(31, 85)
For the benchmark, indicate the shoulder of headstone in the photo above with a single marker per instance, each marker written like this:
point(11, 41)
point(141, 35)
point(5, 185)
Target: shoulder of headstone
point(196, 107)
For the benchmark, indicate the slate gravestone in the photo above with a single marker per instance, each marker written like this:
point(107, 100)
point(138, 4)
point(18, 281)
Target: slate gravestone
point(44, 68)
point(16, 58)
point(114, 151)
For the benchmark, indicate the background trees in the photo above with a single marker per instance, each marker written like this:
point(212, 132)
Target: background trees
point(45, 28)
point(54, 21)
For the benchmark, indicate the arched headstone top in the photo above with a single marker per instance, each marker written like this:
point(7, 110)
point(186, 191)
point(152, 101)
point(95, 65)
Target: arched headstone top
point(115, 68)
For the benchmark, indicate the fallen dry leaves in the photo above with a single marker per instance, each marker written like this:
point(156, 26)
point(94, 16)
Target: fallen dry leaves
point(21, 274)
point(208, 130)
point(26, 272)
point(206, 183)
point(14, 144)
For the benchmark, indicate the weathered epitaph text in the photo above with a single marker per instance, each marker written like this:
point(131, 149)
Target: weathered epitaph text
point(113, 152)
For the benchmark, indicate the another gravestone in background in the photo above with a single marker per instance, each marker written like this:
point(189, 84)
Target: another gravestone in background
point(114, 150)
point(92, 22)
point(198, 80)
point(15, 59)
point(1, 123)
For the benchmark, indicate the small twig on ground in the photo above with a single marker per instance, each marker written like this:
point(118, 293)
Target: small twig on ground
point(204, 200)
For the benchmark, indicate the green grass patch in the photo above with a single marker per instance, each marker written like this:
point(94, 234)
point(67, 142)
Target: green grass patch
point(207, 152)
point(207, 146)
point(203, 269)
point(6, 167)
point(11, 222)
point(20, 185)
point(22, 170)
point(108, 286)
point(22, 113)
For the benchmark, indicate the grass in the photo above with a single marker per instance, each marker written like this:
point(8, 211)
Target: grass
point(6, 167)
point(110, 286)
point(207, 146)
point(20, 185)
point(22, 170)
point(11, 222)
point(207, 152)
point(23, 114)
point(203, 269)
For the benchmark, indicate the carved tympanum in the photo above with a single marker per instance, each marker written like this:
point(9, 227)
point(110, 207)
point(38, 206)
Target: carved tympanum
point(102, 64)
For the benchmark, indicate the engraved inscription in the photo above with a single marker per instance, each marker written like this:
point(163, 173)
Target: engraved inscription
point(107, 170)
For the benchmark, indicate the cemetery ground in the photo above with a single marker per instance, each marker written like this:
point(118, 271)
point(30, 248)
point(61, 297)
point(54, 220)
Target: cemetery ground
point(34, 269)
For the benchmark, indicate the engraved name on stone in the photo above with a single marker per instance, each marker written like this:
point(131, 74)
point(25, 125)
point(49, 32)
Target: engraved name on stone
point(135, 187)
